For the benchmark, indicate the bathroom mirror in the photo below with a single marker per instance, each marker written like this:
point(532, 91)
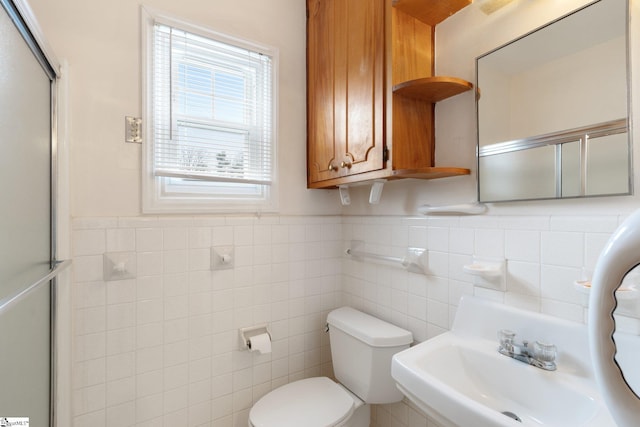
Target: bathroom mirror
point(552, 110)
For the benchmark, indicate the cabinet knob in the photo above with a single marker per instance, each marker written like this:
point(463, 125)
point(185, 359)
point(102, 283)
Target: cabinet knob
point(346, 164)
point(332, 167)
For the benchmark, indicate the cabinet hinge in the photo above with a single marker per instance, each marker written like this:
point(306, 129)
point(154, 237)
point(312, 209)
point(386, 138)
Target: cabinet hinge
point(385, 154)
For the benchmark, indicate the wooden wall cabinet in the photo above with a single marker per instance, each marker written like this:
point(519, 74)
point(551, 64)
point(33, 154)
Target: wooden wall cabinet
point(371, 90)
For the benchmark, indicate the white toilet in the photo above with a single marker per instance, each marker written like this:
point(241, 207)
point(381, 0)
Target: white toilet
point(361, 348)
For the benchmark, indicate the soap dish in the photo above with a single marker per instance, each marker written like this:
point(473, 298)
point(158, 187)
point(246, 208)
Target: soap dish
point(484, 268)
point(622, 293)
point(487, 273)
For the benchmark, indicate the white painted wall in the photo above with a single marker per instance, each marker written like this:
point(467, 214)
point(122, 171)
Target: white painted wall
point(101, 42)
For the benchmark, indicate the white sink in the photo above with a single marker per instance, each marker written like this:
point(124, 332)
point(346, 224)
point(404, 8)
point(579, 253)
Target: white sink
point(460, 379)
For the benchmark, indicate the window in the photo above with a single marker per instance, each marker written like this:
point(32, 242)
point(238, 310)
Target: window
point(209, 115)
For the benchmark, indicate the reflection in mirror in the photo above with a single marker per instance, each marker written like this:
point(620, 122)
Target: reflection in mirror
point(535, 178)
point(553, 110)
point(570, 168)
point(604, 157)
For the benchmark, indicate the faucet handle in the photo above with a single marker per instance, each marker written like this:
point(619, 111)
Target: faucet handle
point(544, 352)
point(506, 336)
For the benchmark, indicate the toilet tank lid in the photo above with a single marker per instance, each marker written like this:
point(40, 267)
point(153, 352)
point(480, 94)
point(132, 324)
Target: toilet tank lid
point(369, 329)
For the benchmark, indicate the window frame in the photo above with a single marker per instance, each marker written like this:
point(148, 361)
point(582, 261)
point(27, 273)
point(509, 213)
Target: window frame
point(174, 195)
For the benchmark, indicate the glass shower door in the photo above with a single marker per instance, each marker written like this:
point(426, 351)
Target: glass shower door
point(26, 254)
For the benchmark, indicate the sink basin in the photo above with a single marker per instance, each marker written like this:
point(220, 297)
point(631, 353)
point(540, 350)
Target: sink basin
point(460, 379)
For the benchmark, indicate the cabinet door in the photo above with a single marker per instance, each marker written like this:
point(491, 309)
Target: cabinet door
point(345, 55)
point(322, 152)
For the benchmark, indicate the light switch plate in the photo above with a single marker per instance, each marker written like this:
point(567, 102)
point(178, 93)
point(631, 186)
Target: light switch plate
point(133, 129)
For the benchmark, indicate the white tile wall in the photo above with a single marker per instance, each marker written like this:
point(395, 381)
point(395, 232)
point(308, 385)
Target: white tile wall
point(544, 256)
point(162, 349)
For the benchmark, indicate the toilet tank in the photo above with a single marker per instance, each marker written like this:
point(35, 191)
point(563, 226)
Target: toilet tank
point(361, 350)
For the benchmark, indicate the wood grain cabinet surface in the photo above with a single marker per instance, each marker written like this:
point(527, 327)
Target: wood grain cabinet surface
point(371, 90)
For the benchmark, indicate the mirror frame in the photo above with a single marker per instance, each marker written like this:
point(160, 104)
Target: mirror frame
point(627, 119)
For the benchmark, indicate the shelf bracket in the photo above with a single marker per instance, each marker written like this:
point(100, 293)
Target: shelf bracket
point(345, 197)
point(376, 191)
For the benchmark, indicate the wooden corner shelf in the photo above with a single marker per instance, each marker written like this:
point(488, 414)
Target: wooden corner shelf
point(432, 89)
point(429, 173)
point(430, 12)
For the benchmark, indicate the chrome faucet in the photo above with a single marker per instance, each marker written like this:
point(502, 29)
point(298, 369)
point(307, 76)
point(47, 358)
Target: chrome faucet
point(540, 354)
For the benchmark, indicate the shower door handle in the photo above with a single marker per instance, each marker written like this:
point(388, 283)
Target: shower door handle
point(58, 267)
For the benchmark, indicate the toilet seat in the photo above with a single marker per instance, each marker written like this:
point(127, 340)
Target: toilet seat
point(312, 402)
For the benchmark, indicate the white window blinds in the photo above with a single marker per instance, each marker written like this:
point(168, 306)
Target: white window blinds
point(212, 109)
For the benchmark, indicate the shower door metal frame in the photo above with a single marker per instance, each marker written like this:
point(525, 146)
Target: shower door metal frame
point(23, 18)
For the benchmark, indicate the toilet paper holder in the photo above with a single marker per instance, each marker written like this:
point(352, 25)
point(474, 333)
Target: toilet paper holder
point(252, 331)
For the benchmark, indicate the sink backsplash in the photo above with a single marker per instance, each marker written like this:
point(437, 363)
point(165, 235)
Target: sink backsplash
point(545, 256)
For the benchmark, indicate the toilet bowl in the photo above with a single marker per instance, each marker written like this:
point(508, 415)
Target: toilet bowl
point(316, 401)
point(361, 349)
